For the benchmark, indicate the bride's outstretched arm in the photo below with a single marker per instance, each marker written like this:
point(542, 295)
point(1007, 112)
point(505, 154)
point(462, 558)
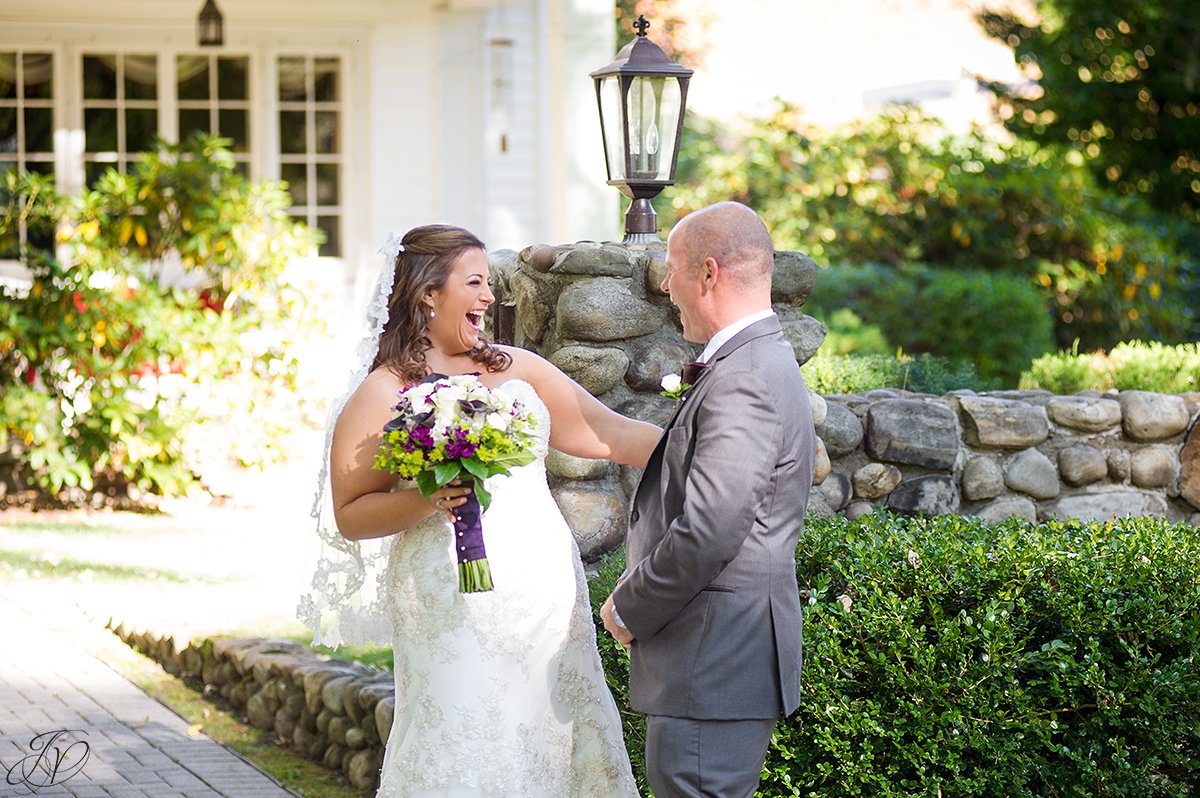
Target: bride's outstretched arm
point(364, 503)
point(580, 424)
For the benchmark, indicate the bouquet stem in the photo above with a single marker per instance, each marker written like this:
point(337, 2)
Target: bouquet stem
point(474, 573)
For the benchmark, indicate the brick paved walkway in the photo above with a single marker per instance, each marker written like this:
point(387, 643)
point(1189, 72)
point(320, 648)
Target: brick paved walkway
point(132, 746)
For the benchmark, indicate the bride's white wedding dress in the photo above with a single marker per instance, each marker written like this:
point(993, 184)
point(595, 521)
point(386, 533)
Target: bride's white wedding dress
point(500, 693)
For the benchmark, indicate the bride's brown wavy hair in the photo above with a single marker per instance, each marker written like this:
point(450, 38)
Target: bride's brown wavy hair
point(424, 266)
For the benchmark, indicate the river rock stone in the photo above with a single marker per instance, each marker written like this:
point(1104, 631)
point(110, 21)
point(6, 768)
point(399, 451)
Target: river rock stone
point(856, 510)
point(1007, 507)
point(1104, 506)
point(817, 506)
point(1153, 416)
point(837, 491)
point(913, 432)
point(570, 467)
point(1189, 468)
point(503, 264)
point(1085, 413)
point(331, 693)
point(842, 429)
point(1003, 423)
point(541, 257)
point(363, 770)
point(821, 464)
point(982, 478)
point(875, 480)
point(258, 710)
point(596, 368)
point(1032, 473)
point(819, 407)
point(652, 361)
point(604, 309)
point(595, 512)
point(792, 278)
point(934, 494)
point(656, 270)
point(385, 711)
point(1154, 467)
point(803, 332)
point(597, 260)
point(1118, 465)
point(1082, 464)
point(533, 312)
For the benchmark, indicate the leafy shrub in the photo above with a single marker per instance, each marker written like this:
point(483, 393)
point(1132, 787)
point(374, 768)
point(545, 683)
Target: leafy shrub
point(947, 657)
point(922, 373)
point(899, 189)
point(162, 338)
point(997, 322)
point(1132, 365)
point(846, 333)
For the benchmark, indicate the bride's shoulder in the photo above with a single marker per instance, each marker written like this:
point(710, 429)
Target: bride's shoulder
point(379, 389)
point(526, 365)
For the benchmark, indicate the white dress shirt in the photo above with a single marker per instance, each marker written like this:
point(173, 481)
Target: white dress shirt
point(725, 333)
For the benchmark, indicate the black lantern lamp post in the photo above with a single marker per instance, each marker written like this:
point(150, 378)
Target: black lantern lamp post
point(642, 96)
point(210, 27)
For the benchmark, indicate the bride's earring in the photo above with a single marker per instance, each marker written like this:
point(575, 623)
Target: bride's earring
point(432, 313)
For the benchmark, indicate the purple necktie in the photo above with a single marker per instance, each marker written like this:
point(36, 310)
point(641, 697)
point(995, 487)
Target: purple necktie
point(692, 371)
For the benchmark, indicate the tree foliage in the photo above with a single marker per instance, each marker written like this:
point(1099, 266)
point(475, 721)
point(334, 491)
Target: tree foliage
point(1119, 81)
point(157, 308)
point(679, 27)
point(898, 189)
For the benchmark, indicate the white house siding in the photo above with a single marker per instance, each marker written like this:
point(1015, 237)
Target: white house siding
point(420, 129)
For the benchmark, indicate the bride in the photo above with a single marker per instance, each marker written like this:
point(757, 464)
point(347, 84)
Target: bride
point(498, 693)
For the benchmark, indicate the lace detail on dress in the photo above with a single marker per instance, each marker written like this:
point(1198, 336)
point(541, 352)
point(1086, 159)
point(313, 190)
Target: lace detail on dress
point(500, 693)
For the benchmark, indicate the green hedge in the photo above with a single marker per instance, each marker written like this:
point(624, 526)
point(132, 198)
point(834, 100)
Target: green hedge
point(1133, 365)
point(998, 323)
point(924, 373)
point(946, 657)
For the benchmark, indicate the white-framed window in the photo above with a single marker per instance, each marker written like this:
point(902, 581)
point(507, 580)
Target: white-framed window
point(212, 94)
point(311, 153)
point(120, 109)
point(27, 96)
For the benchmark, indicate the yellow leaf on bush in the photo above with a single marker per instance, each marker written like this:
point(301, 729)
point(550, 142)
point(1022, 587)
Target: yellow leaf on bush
point(139, 235)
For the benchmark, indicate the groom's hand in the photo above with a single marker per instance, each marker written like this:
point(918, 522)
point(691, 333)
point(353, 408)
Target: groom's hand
point(619, 632)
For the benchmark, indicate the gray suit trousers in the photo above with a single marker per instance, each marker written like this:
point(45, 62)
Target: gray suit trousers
point(690, 758)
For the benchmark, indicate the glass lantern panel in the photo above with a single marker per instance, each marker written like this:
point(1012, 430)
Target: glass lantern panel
point(670, 101)
point(613, 122)
point(645, 140)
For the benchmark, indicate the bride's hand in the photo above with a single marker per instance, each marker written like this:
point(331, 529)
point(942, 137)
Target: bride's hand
point(446, 498)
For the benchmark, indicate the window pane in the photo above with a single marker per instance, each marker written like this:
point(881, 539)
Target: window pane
point(292, 132)
point(100, 129)
point(8, 129)
point(39, 130)
point(327, 184)
point(327, 132)
point(141, 126)
point(333, 242)
point(193, 119)
point(99, 77)
point(292, 84)
point(92, 171)
point(232, 122)
point(242, 168)
point(231, 78)
point(141, 77)
point(40, 167)
point(192, 76)
point(39, 76)
point(8, 76)
point(325, 78)
point(296, 176)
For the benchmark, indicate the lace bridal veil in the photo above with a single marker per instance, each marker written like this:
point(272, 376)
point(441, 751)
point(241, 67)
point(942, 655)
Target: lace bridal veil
point(345, 604)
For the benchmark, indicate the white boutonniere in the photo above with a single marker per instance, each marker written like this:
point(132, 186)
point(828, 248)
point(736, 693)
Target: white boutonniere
point(673, 387)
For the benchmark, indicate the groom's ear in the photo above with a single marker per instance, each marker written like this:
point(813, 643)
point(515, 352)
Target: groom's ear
point(708, 274)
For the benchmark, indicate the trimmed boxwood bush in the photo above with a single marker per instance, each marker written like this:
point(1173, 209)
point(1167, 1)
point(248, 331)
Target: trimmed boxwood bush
point(1133, 365)
point(946, 657)
point(996, 322)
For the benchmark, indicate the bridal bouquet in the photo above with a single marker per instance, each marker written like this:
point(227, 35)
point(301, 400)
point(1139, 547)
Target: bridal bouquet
point(450, 428)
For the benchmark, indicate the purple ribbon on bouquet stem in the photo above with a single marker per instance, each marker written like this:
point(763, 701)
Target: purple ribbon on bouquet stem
point(474, 573)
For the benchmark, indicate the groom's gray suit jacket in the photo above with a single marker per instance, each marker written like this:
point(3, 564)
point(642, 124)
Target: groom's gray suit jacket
point(710, 588)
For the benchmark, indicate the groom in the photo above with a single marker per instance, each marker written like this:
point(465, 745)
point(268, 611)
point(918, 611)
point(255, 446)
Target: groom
point(709, 604)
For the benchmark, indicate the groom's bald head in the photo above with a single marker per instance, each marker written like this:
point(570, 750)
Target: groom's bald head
point(731, 234)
